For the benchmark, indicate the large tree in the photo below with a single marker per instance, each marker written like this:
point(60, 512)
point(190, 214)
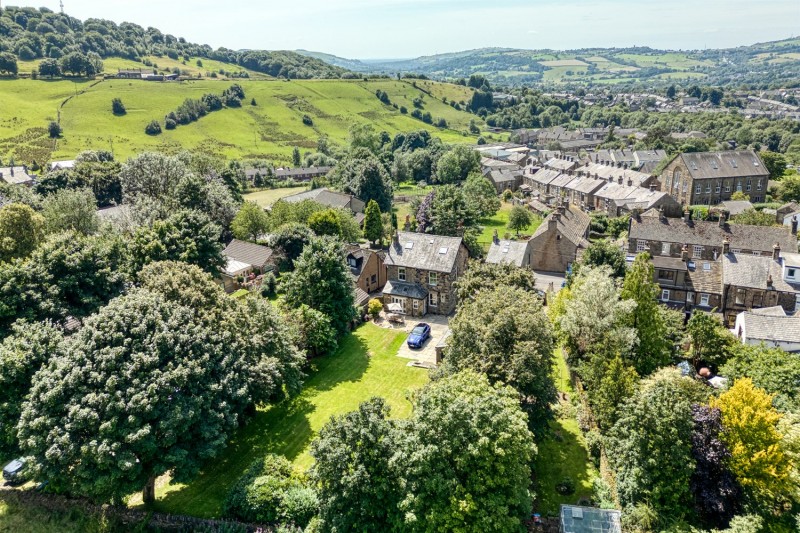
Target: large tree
point(187, 236)
point(373, 225)
point(482, 276)
point(357, 481)
point(22, 354)
point(21, 231)
point(150, 385)
point(711, 342)
point(74, 210)
point(757, 459)
point(288, 242)
point(653, 350)
point(363, 175)
point(481, 195)
point(769, 369)
point(650, 446)
point(519, 219)
point(456, 164)
point(479, 480)
point(321, 280)
point(717, 495)
point(505, 334)
point(151, 175)
point(250, 222)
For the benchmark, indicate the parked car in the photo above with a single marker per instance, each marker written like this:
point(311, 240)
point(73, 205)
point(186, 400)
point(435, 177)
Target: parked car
point(419, 335)
point(15, 471)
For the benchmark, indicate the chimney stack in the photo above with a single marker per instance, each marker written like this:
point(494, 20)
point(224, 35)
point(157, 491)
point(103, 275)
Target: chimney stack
point(794, 225)
point(726, 246)
point(661, 215)
point(396, 240)
point(687, 216)
point(723, 218)
point(619, 180)
point(776, 252)
point(495, 238)
point(769, 281)
point(407, 223)
point(685, 253)
point(630, 182)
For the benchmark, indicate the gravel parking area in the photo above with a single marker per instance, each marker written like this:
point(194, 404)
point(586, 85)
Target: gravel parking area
point(427, 354)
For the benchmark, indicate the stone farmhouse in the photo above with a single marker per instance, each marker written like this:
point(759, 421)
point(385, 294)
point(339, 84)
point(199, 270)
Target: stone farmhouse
point(770, 326)
point(422, 270)
point(330, 198)
point(709, 178)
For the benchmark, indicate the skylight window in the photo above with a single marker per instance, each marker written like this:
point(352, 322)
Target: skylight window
point(505, 249)
point(442, 251)
point(409, 245)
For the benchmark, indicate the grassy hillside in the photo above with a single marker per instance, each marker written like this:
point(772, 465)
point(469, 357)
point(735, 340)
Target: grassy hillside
point(269, 130)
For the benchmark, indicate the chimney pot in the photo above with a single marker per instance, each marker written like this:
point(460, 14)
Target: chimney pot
point(776, 251)
point(687, 216)
point(794, 225)
point(685, 253)
point(769, 281)
point(619, 180)
point(723, 218)
point(726, 246)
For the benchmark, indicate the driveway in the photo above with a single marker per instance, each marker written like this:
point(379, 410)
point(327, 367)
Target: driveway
point(427, 354)
point(548, 281)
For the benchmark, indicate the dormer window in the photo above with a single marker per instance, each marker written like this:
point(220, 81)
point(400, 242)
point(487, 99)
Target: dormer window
point(790, 272)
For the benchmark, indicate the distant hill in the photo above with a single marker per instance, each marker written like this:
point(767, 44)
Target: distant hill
point(775, 62)
point(35, 34)
point(349, 64)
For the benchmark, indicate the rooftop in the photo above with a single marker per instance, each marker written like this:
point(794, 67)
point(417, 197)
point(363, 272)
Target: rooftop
point(247, 252)
point(753, 272)
point(513, 252)
point(729, 164)
point(424, 251)
point(576, 519)
point(327, 197)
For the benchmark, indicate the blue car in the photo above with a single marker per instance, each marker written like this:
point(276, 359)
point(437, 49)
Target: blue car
point(419, 335)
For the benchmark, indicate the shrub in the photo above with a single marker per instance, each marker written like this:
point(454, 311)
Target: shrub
point(117, 107)
point(54, 129)
point(270, 491)
point(403, 109)
point(253, 102)
point(307, 120)
point(374, 308)
point(170, 124)
point(481, 141)
point(268, 285)
point(154, 128)
point(507, 195)
point(566, 486)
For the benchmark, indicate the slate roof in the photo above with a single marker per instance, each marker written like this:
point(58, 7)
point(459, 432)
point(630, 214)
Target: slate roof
point(561, 164)
point(562, 180)
point(503, 176)
point(361, 297)
point(545, 176)
point(424, 251)
point(705, 233)
point(669, 263)
point(248, 253)
point(605, 172)
point(538, 206)
point(513, 252)
point(771, 327)
point(15, 175)
point(749, 271)
point(729, 164)
point(405, 290)
point(705, 276)
point(736, 207)
point(586, 185)
point(572, 224)
point(327, 197)
point(495, 163)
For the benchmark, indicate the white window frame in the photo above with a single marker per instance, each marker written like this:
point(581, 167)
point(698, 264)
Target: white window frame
point(708, 188)
point(415, 304)
point(697, 251)
point(791, 272)
point(727, 187)
point(401, 273)
point(698, 189)
point(665, 294)
point(797, 301)
point(756, 253)
point(433, 278)
point(642, 246)
point(717, 189)
point(758, 185)
point(736, 250)
point(704, 299)
point(666, 248)
point(433, 299)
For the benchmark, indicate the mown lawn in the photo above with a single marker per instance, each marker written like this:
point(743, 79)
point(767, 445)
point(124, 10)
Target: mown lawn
point(267, 197)
point(499, 222)
point(365, 365)
point(562, 454)
point(23, 518)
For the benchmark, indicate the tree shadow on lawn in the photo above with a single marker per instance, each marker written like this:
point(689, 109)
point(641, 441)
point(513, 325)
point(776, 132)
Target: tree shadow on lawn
point(283, 429)
point(561, 455)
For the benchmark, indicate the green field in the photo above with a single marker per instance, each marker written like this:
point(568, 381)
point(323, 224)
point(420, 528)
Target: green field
point(562, 454)
point(268, 130)
point(267, 197)
point(365, 365)
point(499, 222)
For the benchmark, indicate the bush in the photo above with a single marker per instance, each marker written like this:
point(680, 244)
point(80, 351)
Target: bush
point(170, 124)
point(307, 120)
point(481, 141)
point(154, 128)
point(117, 107)
point(403, 109)
point(566, 486)
point(270, 491)
point(268, 285)
point(54, 129)
point(374, 308)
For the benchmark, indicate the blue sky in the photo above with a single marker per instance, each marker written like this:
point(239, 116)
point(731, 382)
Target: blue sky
point(409, 28)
